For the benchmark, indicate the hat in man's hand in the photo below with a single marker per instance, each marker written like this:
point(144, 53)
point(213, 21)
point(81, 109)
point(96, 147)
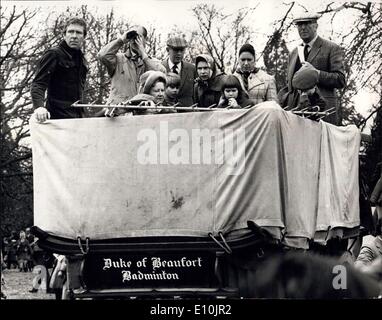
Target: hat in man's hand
point(305, 78)
point(176, 42)
point(306, 17)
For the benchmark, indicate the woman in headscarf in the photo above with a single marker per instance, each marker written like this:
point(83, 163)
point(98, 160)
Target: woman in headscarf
point(208, 84)
point(151, 92)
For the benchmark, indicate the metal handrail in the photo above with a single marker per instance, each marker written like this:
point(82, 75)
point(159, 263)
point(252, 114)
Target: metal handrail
point(128, 105)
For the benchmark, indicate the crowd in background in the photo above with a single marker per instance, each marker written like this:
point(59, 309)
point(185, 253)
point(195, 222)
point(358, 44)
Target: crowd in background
point(20, 251)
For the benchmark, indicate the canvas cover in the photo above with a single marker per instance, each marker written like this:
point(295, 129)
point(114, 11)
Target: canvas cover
point(191, 174)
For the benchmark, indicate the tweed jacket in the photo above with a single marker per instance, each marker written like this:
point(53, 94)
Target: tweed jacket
point(187, 78)
point(261, 86)
point(327, 57)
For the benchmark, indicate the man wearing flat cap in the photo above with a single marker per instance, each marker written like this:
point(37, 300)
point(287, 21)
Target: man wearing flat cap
point(126, 68)
point(321, 56)
point(176, 46)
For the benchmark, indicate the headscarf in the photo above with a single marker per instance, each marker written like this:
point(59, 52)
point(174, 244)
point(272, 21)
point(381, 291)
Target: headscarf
point(214, 82)
point(148, 79)
point(209, 60)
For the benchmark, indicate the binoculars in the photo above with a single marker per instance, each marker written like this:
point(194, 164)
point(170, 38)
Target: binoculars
point(132, 35)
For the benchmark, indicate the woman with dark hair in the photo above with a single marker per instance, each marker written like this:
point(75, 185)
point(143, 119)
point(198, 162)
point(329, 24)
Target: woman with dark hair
point(259, 85)
point(233, 95)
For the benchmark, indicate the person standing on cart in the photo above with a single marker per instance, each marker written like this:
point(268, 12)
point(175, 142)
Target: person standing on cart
point(257, 84)
point(176, 46)
point(61, 72)
point(208, 84)
point(320, 55)
point(126, 68)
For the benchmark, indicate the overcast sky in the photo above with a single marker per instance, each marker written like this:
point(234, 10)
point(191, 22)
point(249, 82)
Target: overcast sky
point(165, 14)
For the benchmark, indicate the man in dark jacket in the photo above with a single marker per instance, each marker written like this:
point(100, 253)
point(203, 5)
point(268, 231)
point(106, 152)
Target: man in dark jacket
point(62, 72)
point(176, 46)
point(208, 84)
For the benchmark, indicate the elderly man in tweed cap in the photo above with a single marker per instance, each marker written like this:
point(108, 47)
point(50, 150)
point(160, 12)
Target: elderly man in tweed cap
point(321, 55)
point(176, 46)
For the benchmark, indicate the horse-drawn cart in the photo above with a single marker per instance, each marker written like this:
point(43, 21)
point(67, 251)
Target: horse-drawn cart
point(188, 204)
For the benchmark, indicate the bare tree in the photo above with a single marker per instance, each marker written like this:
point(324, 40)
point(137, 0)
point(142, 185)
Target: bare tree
point(23, 41)
point(222, 34)
point(363, 57)
point(276, 52)
point(19, 49)
point(363, 54)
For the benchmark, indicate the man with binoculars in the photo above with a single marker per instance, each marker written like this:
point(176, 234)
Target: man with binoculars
point(126, 68)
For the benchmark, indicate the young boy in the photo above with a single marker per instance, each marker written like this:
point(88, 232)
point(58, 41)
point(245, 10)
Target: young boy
point(172, 89)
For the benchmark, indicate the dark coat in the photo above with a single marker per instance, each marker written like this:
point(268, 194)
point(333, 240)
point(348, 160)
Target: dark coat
point(62, 72)
point(24, 250)
point(243, 103)
point(207, 93)
point(187, 78)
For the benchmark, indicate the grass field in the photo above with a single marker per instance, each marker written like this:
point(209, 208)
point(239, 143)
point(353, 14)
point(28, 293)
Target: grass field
point(18, 284)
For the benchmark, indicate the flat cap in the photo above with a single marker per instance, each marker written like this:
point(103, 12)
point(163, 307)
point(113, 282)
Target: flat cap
point(176, 42)
point(305, 78)
point(306, 17)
